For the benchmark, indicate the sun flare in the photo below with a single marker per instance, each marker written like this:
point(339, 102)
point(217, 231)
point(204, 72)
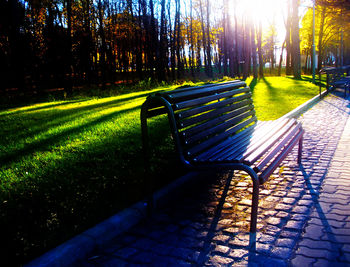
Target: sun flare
point(268, 12)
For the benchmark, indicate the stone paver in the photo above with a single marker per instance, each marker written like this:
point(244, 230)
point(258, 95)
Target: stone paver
point(326, 235)
point(304, 213)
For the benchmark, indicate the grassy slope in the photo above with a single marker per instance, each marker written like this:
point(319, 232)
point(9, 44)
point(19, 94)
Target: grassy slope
point(67, 165)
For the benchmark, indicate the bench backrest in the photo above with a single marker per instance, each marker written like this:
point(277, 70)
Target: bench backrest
point(206, 115)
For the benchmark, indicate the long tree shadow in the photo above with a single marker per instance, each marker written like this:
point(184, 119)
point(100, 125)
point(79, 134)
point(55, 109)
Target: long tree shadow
point(43, 106)
point(56, 138)
point(78, 190)
point(322, 215)
point(46, 120)
point(309, 79)
point(253, 83)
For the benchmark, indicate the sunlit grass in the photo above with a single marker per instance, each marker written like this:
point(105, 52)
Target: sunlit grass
point(67, 165)
point(276, 96)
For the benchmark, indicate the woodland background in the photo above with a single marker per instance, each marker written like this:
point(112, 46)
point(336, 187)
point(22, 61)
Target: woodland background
point(66, 44)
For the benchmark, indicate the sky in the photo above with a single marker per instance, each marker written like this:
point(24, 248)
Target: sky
point(268, 12)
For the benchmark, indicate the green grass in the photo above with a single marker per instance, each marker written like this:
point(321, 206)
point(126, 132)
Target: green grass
point(67, 165)
point(276, 96)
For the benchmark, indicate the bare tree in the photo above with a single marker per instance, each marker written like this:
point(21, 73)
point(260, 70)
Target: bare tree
point(260, 53)
point(296, 41)
point(253, 49)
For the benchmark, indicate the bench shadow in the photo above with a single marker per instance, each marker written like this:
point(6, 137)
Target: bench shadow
point(322, 215)
point(337, 94)
point(207, 246)
point(203, 256)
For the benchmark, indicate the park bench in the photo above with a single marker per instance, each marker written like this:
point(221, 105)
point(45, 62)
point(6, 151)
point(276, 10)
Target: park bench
point(337, 78)
point(214, 127)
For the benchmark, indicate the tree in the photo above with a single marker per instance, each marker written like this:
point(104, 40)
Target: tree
point(331, 22)
point(288, 39)
point(253, 48)
point(260, 52)
point(295, 40)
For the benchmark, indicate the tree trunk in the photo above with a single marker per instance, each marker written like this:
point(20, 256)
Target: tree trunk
point(306, 69)
point(172, 45)
point(296, 41)
point(210, 69)
point(281, 59)
point(68, 87)
point(320, 38)
point(192, 41)
point(246, 50)
point(153, 41)
point(236, 46)
point(139, 48)
point(87, 42)
point(225, 37)
point(177, 38)
point(261, 62)
point(162, 45)
point(204, 38)
point(288, 42)
point(103, 47)
point(253, 48)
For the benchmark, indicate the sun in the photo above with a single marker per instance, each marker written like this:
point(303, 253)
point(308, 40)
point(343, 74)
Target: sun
point(267, 12)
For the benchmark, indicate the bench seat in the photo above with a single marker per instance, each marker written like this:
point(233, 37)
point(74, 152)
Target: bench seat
point(255, 146)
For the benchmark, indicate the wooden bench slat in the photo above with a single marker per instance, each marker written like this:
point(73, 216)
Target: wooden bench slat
point(214, 121)
point(234, 152)
point(212, 129)
point(212, 110)
point(171, 94)
point(259, 148)
point(212, 152)
point(194, 93)
point(277, 161)
point(276, 139)
point(231, 144)
point(210, 142)
point(267, 158)
point(213, 97)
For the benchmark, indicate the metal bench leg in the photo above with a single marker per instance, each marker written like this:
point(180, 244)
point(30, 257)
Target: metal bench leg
point(255, 200)
point(300, 150)
point(146, 159)
point(255, 204)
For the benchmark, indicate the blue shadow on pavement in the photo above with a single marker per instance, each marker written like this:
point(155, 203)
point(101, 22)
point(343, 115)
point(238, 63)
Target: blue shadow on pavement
point(321, 214)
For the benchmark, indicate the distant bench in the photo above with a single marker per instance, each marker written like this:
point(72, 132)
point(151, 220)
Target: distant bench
point(215, 127)
point(337, 78)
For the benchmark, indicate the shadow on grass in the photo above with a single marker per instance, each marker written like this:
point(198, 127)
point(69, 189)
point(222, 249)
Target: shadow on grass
point(41, 107)
point(25, 127)
point(253, 83)
point(309, 79)
point(44, 144)
point(78, 190)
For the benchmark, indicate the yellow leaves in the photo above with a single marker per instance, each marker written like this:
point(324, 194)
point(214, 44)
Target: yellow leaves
point(280, 171)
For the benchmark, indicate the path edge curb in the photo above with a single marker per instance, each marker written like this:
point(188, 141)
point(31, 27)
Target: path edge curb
point(295, 113)
point(80, 246)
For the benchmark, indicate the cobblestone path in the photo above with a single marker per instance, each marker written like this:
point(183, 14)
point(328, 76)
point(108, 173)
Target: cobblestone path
point(326, 240)
point(304, 213)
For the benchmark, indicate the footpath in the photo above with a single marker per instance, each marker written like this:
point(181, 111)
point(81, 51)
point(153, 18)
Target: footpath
point(303, 219)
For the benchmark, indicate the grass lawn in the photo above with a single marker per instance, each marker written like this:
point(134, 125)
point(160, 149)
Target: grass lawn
point(67, 165)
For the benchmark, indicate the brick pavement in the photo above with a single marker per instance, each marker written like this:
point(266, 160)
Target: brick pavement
point(303, 213)
point(327, 233)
